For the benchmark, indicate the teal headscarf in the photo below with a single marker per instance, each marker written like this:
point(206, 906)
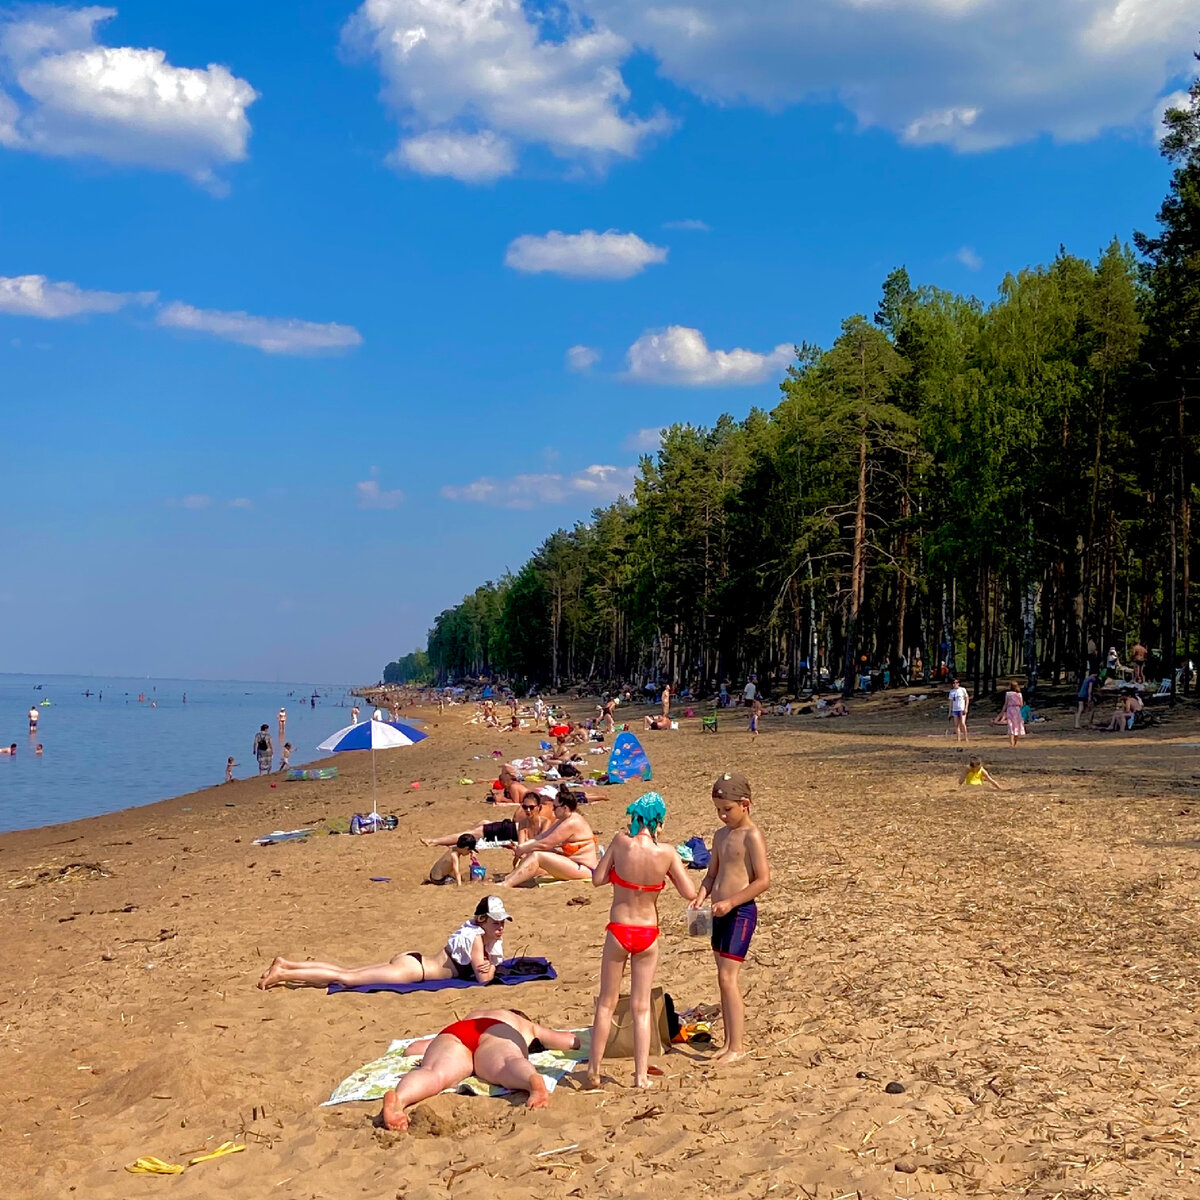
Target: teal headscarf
point(646, 812)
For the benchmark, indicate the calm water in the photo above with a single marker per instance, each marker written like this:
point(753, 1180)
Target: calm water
point(106, 754)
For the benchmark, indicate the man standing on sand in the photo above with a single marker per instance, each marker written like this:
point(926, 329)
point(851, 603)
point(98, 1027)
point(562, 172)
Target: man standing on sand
point(666, 700)
point(33, 720)
point(960, 702)
point(282, 724)
point(264, 751)
point(1137, 656)
point(749, 692)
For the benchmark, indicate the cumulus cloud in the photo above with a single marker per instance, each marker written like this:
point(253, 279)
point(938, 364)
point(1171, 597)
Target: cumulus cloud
point(586, 255)
point(582, 358)
point(596, 484)
point(680, 356)
point(67, 95)
point(465, 69)
point(241, 502)
point(371, 495)
point(37, 296)
point(195, 500)
point(643, 441)
point(689, 224)
point(969, 258)
point(274, 335)
point(963, 73)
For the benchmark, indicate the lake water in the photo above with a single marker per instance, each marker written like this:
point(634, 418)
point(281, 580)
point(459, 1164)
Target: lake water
point(101, 755)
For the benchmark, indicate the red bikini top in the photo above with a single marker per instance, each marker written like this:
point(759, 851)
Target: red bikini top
point(635, 887)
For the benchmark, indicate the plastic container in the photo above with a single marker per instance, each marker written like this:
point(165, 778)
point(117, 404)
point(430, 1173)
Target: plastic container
point(478, 873)
point(699, 922)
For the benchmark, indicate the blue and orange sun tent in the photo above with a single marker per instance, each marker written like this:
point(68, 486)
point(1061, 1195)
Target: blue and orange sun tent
point(628, 760)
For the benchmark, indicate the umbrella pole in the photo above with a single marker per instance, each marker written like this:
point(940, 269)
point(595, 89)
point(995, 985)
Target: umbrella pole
point(374, 801)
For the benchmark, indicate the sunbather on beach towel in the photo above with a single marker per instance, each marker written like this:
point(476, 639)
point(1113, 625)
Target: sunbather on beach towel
point(492, 1043)
point(472, 951)
point(537, 815)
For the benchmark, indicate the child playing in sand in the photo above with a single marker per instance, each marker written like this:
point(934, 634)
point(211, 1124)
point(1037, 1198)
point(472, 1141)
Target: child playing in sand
point(738, 873)
point(450, 865)
point(976, 775)
point(285, 756)
point(229, 765)
point(756, 711)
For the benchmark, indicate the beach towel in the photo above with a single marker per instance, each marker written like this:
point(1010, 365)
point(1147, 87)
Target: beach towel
point(701, 856)
point(370, 1082)
point(628, 760)
point(282, 835)
point(509, 973)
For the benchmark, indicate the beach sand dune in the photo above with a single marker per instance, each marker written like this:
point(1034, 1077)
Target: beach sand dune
point(1023, 963)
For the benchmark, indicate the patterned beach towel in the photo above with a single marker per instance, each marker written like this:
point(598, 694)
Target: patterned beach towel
point(370, 1082)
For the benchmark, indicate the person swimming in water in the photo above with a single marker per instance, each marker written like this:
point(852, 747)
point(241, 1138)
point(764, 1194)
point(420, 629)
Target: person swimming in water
point(638, 868)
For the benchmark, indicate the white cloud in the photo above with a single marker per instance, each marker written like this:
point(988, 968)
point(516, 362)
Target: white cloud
point(596, 484)
point(274, 335)
point(586, 255)
point(470, 157)
point(971, 74)
point(37, 296)
point(644, 441)
point(582, 358)
point(1179, 99)
point(474, 67)
point(196, 500)
point(241, 502)
point(68, 96)
point(689, 224)
point(371, 495)
point(680, 356)
point(969, 257)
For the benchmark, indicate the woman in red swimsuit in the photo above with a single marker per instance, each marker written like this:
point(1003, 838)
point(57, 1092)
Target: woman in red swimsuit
point(637, 867)
point(492, 1043)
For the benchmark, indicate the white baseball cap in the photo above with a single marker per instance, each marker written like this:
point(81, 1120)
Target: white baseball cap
point(494, 908)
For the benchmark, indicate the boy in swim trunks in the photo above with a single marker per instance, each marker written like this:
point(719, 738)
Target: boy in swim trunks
point(450, 865)
point(737, 874)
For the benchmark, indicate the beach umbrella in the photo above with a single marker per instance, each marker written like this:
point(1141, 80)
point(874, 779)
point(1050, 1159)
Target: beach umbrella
point(373, 735)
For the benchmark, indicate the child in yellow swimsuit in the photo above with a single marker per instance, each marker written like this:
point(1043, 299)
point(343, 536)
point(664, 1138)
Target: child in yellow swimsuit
point(976, 775)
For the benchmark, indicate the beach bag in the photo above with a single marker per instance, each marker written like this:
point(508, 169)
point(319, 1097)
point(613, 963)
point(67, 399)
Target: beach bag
point(664, 1025)
point(701, 855)
point(262, 744)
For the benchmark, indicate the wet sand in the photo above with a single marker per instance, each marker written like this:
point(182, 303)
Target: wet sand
point(1023, 962)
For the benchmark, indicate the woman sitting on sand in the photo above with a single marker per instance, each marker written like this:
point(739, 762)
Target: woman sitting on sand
point(537, 815)
point(638, 868)
point(473, 951)
point(493, 1043)
point(567, 850)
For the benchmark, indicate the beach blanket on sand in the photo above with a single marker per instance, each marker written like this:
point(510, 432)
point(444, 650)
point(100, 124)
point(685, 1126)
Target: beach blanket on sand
point(509, 973)
point(370, 1082)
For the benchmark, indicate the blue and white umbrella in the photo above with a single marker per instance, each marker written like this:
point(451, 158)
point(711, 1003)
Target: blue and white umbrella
point(373, 735)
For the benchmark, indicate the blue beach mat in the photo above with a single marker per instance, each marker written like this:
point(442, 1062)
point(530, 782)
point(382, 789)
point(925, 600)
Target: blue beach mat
point(509, 973)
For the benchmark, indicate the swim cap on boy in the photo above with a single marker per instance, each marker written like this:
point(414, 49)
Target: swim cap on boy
point(733, 785)
point(646, 812)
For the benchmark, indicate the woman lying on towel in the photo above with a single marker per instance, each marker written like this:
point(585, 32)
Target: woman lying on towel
point(493, 1043)
point(537, 815)
point(638, 868)
point(473, 951)
point(567, 850)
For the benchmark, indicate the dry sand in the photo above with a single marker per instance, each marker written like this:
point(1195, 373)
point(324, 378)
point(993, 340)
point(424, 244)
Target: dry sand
point(1024, 963)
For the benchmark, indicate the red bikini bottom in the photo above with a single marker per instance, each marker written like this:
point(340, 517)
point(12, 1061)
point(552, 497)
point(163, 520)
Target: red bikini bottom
point(469, 1032)
point(634, 938)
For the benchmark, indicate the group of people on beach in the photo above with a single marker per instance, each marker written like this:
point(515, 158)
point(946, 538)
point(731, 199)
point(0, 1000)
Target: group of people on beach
point(495, 1043)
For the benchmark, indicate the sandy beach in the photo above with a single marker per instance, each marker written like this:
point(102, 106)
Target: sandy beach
point(1022, 962)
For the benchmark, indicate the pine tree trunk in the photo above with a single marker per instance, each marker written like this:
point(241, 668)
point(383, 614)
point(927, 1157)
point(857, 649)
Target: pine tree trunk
point(857, 568)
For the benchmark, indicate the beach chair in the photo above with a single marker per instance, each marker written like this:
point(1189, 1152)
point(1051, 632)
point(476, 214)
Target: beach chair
point(708, 724)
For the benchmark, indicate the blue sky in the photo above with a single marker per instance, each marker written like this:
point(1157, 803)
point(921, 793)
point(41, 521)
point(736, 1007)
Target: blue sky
point(313, 316)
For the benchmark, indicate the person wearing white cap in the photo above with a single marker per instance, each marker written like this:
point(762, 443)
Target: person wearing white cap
point(473, 952)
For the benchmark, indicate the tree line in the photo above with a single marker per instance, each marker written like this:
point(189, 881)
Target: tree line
point(1001, 488)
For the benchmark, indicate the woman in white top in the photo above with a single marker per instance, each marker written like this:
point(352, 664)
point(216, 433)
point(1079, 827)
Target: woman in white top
point(473, 951)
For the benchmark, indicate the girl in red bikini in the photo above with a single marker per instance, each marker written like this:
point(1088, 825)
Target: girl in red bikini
point(493, 1043)
point(638, 868)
